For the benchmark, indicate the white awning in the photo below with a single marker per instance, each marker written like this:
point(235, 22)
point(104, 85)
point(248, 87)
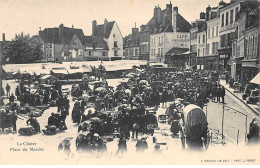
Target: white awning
point(73, 71)
point(256, 79)
point(59, 71)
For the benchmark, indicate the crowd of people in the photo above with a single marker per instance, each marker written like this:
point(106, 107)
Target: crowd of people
point(126, 111)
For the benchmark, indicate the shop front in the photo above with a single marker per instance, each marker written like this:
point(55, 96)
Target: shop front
point(224, 63)
point(211, 62)
point(249, 70)
point(200, 63)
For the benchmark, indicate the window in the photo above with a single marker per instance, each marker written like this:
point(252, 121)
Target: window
point(198, 52)
point(159, 51)
point(80, 53)
point(115, 44)
point(114, 35)
point(231, 16)
point(162, 39)
point(236, 13)
point(212, 31)
point(89, 53)
point(159, 40)
point(208, 32)
point(136, 52)
point(226, 18)
point(104, 53)
point(222, 22)
point(217, 31)
point(199, 39)
point(255, 46)
point(115, 53)
point(203, 52)
point(213, 48)
point(203, 40)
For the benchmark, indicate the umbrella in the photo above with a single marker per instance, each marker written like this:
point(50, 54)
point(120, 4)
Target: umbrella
point(143, 82)
point(85, 133)
point(148, 89)
point(128, 91)
point(129, 75)
point(169, 83)
point(89, 109)
point(65, 142)
point(177, 83)
point(99, 89)
point(188, 79)
point(95, 120)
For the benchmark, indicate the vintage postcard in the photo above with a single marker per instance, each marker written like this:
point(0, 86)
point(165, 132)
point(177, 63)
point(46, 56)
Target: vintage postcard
point(129, 82)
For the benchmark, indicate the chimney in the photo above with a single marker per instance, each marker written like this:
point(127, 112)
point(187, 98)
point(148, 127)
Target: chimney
point(155, 13)
point(134, 31)
point(3, 37)
point(159, 16)
point(61, 35)
point(207, 13)
point(94, 24)
point(174, 18)
point(105, 26)
point(202, 15)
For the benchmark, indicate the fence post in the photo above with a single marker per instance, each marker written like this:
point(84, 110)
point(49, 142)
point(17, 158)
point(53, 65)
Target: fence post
point(223, 123)
point(237, 136)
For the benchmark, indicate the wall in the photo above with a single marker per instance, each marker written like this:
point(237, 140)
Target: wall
point(201, 47)
point(230, 27)
point(161, 43)
point(57, 51)
point(213, 39)
point(110, 41)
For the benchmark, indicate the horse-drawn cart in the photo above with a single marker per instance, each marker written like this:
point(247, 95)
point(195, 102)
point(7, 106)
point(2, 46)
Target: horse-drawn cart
point(194, 131)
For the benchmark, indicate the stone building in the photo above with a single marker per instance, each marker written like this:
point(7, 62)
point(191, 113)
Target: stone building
point(245, 44)
point(168, 36)
point(111, 34)
point(57, 41)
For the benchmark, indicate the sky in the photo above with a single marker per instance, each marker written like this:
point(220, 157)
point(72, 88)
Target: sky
point(27, 16)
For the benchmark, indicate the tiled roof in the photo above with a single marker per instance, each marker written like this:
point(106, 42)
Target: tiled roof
point(182, 24)
point(99, 30)
point(98, 41)
point(50, 35)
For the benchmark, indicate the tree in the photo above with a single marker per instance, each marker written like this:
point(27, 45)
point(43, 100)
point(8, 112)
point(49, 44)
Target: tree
point(24, 49)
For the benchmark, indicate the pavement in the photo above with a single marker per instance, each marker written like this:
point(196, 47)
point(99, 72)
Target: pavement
point(253, 107)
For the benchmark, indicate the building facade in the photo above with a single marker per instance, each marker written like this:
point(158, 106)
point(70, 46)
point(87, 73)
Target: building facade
point(227, 28)
point(211, 58)
point(111, 34)
point(57, 40)
point(168, 37)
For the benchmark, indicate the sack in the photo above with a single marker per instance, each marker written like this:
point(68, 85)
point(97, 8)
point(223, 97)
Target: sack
point(27, 131)
point(136, 126)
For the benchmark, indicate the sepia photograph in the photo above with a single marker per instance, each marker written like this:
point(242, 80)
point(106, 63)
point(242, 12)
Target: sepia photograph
point(129, 82)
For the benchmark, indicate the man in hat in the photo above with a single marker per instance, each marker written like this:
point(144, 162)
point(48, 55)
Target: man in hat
point(11, 98)
point(8, 88)
point(34, 123)
point(253, 136)
point(17, 92)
